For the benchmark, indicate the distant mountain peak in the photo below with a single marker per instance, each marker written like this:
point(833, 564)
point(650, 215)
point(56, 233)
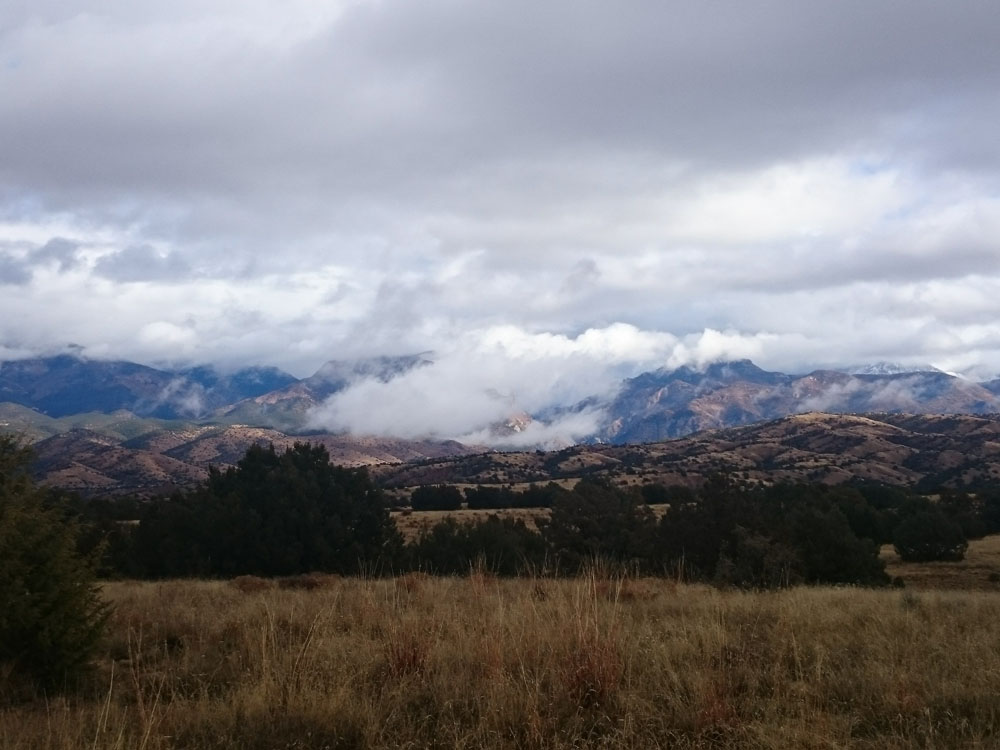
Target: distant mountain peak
point(890, 368)
point(383, 368)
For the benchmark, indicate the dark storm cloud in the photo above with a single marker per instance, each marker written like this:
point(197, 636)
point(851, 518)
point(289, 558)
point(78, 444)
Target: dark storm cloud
point(406, 98)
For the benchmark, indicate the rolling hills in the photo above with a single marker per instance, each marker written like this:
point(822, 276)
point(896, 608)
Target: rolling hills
point(109, 427)
point(895, 449)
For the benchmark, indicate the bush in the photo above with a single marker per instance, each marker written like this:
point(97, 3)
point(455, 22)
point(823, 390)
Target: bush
point(480, 497)
point(51, 618)
point(503, 546)
point(436, 497)
point(929, 536)
point(754, 561)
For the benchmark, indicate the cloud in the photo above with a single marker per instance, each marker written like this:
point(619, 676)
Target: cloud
point(186, 397)
point(580, 185)
point(488, 377)
point(141, 263)
point(13, 270)
point(58, 250)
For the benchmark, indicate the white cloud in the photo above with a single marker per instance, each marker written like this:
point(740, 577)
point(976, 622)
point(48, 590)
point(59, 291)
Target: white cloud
point(487, 377)
point(577, 189)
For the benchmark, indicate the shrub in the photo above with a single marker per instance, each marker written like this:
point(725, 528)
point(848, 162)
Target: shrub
point(929, 536)
point(436, 497)
point(51, 617)
point(502, 546)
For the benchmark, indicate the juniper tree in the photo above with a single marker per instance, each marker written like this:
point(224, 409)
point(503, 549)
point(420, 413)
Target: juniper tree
point(51, 614)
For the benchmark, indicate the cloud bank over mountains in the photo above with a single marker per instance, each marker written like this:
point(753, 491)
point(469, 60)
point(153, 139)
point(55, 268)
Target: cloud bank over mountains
point(549, 197)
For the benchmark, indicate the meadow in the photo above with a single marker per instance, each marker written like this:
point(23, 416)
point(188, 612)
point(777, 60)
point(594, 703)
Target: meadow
point(481, 662)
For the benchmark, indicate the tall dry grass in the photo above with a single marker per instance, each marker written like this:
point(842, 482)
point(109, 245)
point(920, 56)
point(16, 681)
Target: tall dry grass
point(480, 662)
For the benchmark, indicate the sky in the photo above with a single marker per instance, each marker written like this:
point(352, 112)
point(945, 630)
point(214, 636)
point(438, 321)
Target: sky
point(546, 196)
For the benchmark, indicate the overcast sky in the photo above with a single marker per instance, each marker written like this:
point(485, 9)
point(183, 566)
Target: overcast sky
point(519, 187)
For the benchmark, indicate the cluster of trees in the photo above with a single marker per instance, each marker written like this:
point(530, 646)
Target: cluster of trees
point(270, 515)
point(281, 514)
point(490, 497)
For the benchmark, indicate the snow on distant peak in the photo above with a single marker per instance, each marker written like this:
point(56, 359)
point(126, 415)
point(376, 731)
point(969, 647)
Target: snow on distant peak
point(889, 368)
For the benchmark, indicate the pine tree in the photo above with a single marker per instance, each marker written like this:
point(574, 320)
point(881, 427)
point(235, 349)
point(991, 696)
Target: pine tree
point(51, 614)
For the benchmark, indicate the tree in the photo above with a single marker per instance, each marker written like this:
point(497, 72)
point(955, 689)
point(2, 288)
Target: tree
point(598, 521)
point(766, 537)
point(502, 546)
point(831, 552)
point(51, 614)
point(752, 560)
point(272, 514)
point(674, 494)
point(436, 497)
point(929, 536)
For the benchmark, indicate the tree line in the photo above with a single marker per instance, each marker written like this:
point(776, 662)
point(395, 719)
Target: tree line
point(276, 514)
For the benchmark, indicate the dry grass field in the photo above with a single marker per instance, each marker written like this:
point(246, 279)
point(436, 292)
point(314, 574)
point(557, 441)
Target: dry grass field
point(479, 662)
point(412, 523)
point(979, 571)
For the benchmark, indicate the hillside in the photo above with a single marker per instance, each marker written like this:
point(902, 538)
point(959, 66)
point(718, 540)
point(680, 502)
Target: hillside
point(122, 453)
point(93, 462)
point(673, 403)
point(906, 450)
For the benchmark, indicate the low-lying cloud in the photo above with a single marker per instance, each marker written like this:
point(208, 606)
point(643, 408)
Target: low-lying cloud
point(473, 389)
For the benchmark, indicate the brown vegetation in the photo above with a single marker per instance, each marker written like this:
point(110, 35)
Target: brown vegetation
point(483, 662)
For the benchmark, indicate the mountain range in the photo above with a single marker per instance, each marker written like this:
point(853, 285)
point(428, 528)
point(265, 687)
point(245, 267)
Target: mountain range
point(655, 405)
point(110, 426)
point(671, 403)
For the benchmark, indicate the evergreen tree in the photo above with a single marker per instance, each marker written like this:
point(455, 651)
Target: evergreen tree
point(436, 497)
point(51, 614)
point(272, 514)
point(598, 521)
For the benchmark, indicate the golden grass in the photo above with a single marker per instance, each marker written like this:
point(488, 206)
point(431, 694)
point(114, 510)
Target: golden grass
point(412, 523)
point(979, 571)
point(480, 662)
